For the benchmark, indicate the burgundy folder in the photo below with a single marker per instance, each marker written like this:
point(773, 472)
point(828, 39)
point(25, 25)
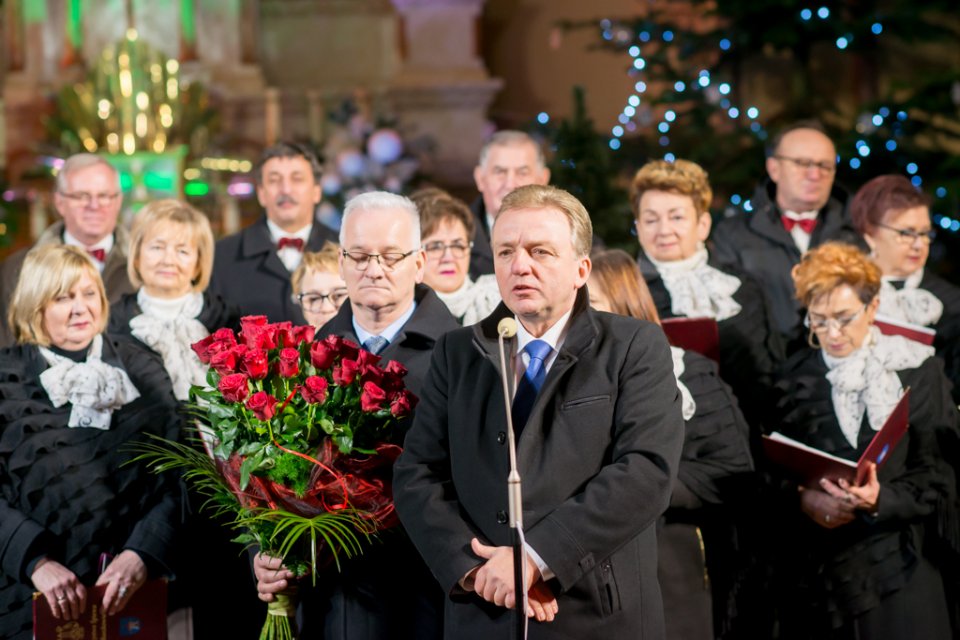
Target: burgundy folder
point(809, 465)
point(891, 327)
point(144, 617)
point(694, 334)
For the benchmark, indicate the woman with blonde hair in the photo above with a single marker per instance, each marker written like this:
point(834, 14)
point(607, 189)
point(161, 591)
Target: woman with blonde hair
point(170, 262)
point(695, 536)
point(317, 286)
point(72, 401)
point(862, 561)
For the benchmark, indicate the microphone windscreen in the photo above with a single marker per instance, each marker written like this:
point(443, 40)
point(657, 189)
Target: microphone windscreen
point(507, 327)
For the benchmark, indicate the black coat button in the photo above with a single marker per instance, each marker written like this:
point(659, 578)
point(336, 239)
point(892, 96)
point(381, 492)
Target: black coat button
point(502, 437)
point(501, 517)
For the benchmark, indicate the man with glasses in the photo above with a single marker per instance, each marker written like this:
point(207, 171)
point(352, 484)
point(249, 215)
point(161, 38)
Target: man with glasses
point(252, 268)
point(88, 199)
point(388, 591)
point(799, 207)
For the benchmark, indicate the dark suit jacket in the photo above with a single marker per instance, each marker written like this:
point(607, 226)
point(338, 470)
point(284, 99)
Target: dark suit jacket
point(248, 273)
point(758, 243)
point(598, 457)
point(114, 274)
point(387, 593)
point(481, 256)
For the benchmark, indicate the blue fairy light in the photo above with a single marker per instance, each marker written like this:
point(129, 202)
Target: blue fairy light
point(669, 157)
point(640, 87)
point(725, 103)
point(614, 144)
point(912, 168)
point(755, 127)
point(877, 120)
point(854, 163)
point(753, 113)
point(916, 181)
point(748, 206)
point(617, 131)
point(644, 36)
point(664, 141)
point(543, 117)
point(806, 14)
point(633, 101)
point(736, 199)
point(679, 86)
point(670, 115)
point(725, 44)
point(629, 112)
point(901, 115)
point(668, 36)
point(891, 145)
point(623, 117)
point(864, 150)
point(639, 63)
point(733, 112)
point(724, 88)
point(823, 13)
point(876, 28)
point(842, 42)
point(884, 111)
point(663, 127)
point(704, 81)
point(634, 51)
point(941, 192)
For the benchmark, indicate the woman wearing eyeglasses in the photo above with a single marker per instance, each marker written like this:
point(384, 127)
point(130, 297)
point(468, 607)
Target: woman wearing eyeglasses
point(670, 202)
point(862, 561)
point(317, 285)
point(447, 226)
point(894, 218)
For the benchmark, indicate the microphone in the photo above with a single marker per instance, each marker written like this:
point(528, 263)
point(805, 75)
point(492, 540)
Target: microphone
point(507, 328)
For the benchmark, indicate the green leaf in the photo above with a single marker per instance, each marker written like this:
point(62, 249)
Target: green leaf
point(245, 468)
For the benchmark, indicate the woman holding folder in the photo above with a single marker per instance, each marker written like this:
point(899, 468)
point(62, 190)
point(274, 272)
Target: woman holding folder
point(862, 561)
point(893, 217)
point(72, 401)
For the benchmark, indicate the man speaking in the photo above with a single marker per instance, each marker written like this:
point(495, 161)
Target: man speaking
point(599, 429)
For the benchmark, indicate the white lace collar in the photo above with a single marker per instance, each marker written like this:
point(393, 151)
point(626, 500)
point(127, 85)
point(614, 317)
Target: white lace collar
point(698, 290)
point(94, 388)
point(688, 405)
point(474, 300)
point(169, 327)
point(866, 380)
point(910, 303)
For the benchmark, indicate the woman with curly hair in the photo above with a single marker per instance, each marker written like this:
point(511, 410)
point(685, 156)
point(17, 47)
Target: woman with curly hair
point(862, 561)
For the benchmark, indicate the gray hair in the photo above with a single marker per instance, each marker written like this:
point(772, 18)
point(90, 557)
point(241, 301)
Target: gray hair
point(82, 161)
point(379, 201)
point(510, 138)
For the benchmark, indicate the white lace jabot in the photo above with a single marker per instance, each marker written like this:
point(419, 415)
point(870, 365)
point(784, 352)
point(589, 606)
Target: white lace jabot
point(911, 303)
point(474, 300)
point(689, 406)
point(169, 327)
point(698, 290)
point(94, 388)
point(867, 380)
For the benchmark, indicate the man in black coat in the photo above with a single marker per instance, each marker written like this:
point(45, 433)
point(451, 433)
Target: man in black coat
point(798, 208)
point(510, 159)
point(252, 268)
point(387, 593)
point(600, 430)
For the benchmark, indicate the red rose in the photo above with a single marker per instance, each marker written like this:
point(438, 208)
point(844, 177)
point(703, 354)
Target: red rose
point(372, 397)
point(349, 349)
point(224, 362)
point(289, 363)
point(263, 405)
point(255, 364)
point(372, 373)
point(303, 334)
point(346, 372)
point(402, 404)
point(366, 359)
point(234, 387)
point(202, 348)
point(314, 390)
point(250, 329)
point(393, 376)
point(322, 355)
point(394, 367)
point(225, 335)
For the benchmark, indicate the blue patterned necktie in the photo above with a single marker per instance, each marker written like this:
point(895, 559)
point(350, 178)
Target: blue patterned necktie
point(530, 384)
point(375, 344)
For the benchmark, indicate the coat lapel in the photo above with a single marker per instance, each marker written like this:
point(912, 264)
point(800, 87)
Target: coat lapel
point(257, 242)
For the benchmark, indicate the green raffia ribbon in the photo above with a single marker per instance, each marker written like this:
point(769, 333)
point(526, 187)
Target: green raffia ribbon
point(281, 623)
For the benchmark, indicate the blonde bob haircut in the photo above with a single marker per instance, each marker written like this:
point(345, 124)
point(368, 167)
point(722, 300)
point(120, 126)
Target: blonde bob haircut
point(535, 196)
point(324, 261)
point(49, 271)
point(832, 265)
point(172, 211)
point(681, 177)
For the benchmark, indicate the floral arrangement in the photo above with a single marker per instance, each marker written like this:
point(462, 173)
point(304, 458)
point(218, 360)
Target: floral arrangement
point(300, 437)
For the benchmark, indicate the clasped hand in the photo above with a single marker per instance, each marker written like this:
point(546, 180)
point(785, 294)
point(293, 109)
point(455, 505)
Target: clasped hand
point(67, 597)
point(837, 503)
point(493, 581)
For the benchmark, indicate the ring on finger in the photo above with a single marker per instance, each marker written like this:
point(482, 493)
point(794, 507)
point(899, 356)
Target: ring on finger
point(61, 597)
point(123, 592)
point(826, 518)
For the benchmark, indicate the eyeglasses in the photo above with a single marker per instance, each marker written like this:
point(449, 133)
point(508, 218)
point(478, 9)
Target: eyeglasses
point(313, 302)
point(85, 198)
point(438, 247)
point(819, 323)
point(806, 163)
point(909, 236)
point(387, 261)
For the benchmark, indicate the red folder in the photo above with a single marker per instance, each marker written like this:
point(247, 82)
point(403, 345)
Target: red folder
point(892, 327)
point(144, 617)
point(694, 334)
point(809, 465)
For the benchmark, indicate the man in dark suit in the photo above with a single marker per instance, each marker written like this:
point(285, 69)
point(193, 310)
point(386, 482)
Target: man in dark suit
point(89, 199)
point(252, 268)
point(600, 432)
point(387, 593)
point(798, 208)
point(510, 159)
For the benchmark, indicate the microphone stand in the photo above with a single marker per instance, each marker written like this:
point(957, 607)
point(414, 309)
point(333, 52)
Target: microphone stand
point(515, 496)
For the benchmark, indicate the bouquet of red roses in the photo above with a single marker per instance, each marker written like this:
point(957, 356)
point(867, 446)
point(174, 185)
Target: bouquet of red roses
point(301, 437)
